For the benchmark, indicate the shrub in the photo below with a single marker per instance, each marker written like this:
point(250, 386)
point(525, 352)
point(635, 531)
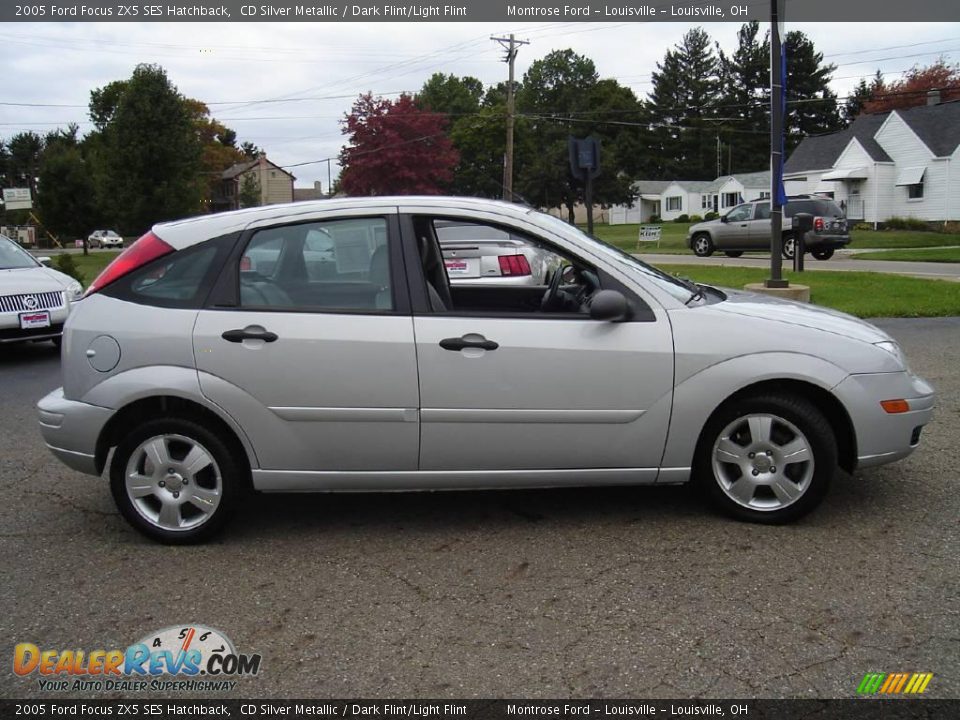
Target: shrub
point(65, 264)
point(654, 218)
point(696, 218)
point(863, 226)
point(682, 218)
point(905, 223)
point(711, 215)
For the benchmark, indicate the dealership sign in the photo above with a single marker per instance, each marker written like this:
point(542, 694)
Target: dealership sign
point(17, 198)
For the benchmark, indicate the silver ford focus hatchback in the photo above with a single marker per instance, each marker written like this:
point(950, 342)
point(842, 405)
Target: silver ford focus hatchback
point(321, 346)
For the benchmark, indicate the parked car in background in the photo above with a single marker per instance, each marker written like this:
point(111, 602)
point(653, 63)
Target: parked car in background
point(481, 254)
point(34, 299)
point(209, 360)
point(747, 228)
point(104, 239)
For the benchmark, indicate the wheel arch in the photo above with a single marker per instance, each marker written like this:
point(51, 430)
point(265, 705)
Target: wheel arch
point(825, 401)
point(166, 406)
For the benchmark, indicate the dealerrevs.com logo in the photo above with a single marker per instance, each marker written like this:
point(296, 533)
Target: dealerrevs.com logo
point(180, 657)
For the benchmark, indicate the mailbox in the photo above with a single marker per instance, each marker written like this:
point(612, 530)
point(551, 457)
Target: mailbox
point(801, 223)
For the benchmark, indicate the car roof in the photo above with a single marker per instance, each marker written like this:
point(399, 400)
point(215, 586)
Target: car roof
point(183, 233)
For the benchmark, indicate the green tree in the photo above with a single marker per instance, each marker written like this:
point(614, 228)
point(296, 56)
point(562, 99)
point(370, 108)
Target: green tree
point(65, 196)
point(745, 103)
point(811, 104)
point(861, 95)
point(683, 103)
point(249, 195)
point(150, 152)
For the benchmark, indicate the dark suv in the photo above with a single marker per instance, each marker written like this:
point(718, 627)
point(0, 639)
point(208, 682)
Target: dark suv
point(747, 228)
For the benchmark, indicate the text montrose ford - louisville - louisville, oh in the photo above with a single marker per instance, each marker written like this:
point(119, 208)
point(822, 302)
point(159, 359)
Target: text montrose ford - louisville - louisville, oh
point(628, 11)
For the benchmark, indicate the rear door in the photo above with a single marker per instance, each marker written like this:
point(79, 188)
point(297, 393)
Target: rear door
point(759, 231)
point(308, 343)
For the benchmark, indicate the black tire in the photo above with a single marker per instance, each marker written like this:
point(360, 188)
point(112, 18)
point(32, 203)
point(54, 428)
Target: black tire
point(233, 474)
point(788, 247)
point(763, 504)
point(702, 245)
point(822, 254)
point(57, 341)
point(733, 253)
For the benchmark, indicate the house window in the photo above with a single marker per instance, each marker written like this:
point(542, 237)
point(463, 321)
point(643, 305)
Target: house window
point(764, 194)
point(706, 202)
point(675, 202)
point(731, 199)
point(915, 192)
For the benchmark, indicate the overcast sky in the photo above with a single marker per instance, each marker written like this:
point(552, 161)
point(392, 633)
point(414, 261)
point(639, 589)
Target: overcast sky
point(235, 67)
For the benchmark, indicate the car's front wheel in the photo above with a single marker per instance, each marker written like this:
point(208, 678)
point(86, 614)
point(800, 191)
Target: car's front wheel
point(766, 459)
point(175, 480)
point(702, 245)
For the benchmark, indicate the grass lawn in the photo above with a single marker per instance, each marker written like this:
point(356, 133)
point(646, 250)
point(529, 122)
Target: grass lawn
point(950, 255)
point(91, 265)
point(901, 239)
point(863, 294)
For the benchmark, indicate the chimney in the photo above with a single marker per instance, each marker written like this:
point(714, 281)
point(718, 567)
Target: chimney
point(933, 97)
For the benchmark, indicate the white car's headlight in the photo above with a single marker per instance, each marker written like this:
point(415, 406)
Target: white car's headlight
point(894, 349)
point(74, 291)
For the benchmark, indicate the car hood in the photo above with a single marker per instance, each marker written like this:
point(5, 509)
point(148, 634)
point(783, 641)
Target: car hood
point(32, 280)
point(788, 312)
point(703, 225)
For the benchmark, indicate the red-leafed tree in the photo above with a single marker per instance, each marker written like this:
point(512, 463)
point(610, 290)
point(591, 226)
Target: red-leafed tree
point(911, 91)
point(395, 148)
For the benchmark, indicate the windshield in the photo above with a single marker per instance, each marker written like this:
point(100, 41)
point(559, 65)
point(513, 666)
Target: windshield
point(13, 257)
point(677, 287)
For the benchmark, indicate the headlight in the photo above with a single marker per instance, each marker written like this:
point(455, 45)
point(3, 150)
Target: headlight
point(894, 349)
point(74, 291)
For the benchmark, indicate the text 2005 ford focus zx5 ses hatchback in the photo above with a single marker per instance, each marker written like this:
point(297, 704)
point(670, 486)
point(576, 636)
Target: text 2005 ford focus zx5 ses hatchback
point(321, 347)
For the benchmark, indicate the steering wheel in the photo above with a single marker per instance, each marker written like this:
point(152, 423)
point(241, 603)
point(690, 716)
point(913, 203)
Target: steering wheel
point(551, 298)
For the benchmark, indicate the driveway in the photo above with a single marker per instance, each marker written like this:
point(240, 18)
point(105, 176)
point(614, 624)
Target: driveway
point(625, 592)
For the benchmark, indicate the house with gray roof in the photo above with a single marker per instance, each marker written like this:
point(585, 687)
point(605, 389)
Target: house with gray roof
point(902, 163)
point(669, 199)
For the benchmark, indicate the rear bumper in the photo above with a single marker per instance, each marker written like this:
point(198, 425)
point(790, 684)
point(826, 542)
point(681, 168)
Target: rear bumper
point(883, 437)
point(70, 430)
point(815, 241)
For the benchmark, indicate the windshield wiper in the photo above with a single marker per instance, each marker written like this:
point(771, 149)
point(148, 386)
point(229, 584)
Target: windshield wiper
point(697, 290)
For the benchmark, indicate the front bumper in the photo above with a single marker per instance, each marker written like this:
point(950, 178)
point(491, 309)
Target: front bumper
point(70, 429)
point(883, 437)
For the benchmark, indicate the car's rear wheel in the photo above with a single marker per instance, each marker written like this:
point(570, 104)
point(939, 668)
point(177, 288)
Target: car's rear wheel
point(175, 480)
point(766, 459)
point(733, 253)
point(822, 254)
point(789, 246)
point(702, 245)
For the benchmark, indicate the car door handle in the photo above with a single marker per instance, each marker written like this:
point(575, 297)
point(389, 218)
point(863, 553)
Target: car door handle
point(241, 335)
point(460, 343)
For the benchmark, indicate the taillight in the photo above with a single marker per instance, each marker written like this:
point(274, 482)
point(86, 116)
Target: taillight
point(148, 248)
point(818, 224)
point(514, 265)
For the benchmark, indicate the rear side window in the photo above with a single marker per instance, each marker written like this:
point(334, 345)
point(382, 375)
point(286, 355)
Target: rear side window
point(180, 280)
point(819, 207)
point(336, 265)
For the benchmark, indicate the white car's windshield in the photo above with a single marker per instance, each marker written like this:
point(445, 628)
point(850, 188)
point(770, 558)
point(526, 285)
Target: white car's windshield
point(679, 288)
point(13, 257)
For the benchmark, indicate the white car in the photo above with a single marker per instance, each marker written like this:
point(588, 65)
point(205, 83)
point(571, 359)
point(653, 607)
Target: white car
point(104, 239)
point(34, 299)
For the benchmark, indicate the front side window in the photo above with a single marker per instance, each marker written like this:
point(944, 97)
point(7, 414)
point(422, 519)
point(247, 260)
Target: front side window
point(739, 213)
point(336, 265)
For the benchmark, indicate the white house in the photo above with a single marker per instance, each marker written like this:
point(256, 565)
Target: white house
point(903, 163)
point(670, 199)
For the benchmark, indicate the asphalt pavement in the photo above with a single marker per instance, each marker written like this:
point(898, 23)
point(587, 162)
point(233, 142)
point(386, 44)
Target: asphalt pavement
point(626, 592)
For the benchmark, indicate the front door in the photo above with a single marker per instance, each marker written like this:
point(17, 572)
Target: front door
point(506, 385)
point(314, 353)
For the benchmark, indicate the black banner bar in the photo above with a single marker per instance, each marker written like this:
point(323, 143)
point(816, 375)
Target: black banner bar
point(513, 11)
point(852, 709)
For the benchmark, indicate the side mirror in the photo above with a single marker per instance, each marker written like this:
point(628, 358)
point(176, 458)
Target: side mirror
point(723, 218)
point(609, 305)
point(45, 260)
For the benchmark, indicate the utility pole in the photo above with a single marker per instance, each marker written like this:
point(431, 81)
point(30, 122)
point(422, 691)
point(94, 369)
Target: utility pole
point(718, 155)
point(511, 45)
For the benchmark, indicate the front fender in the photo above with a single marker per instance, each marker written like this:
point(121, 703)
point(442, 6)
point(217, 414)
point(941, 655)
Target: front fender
point(700, 394)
